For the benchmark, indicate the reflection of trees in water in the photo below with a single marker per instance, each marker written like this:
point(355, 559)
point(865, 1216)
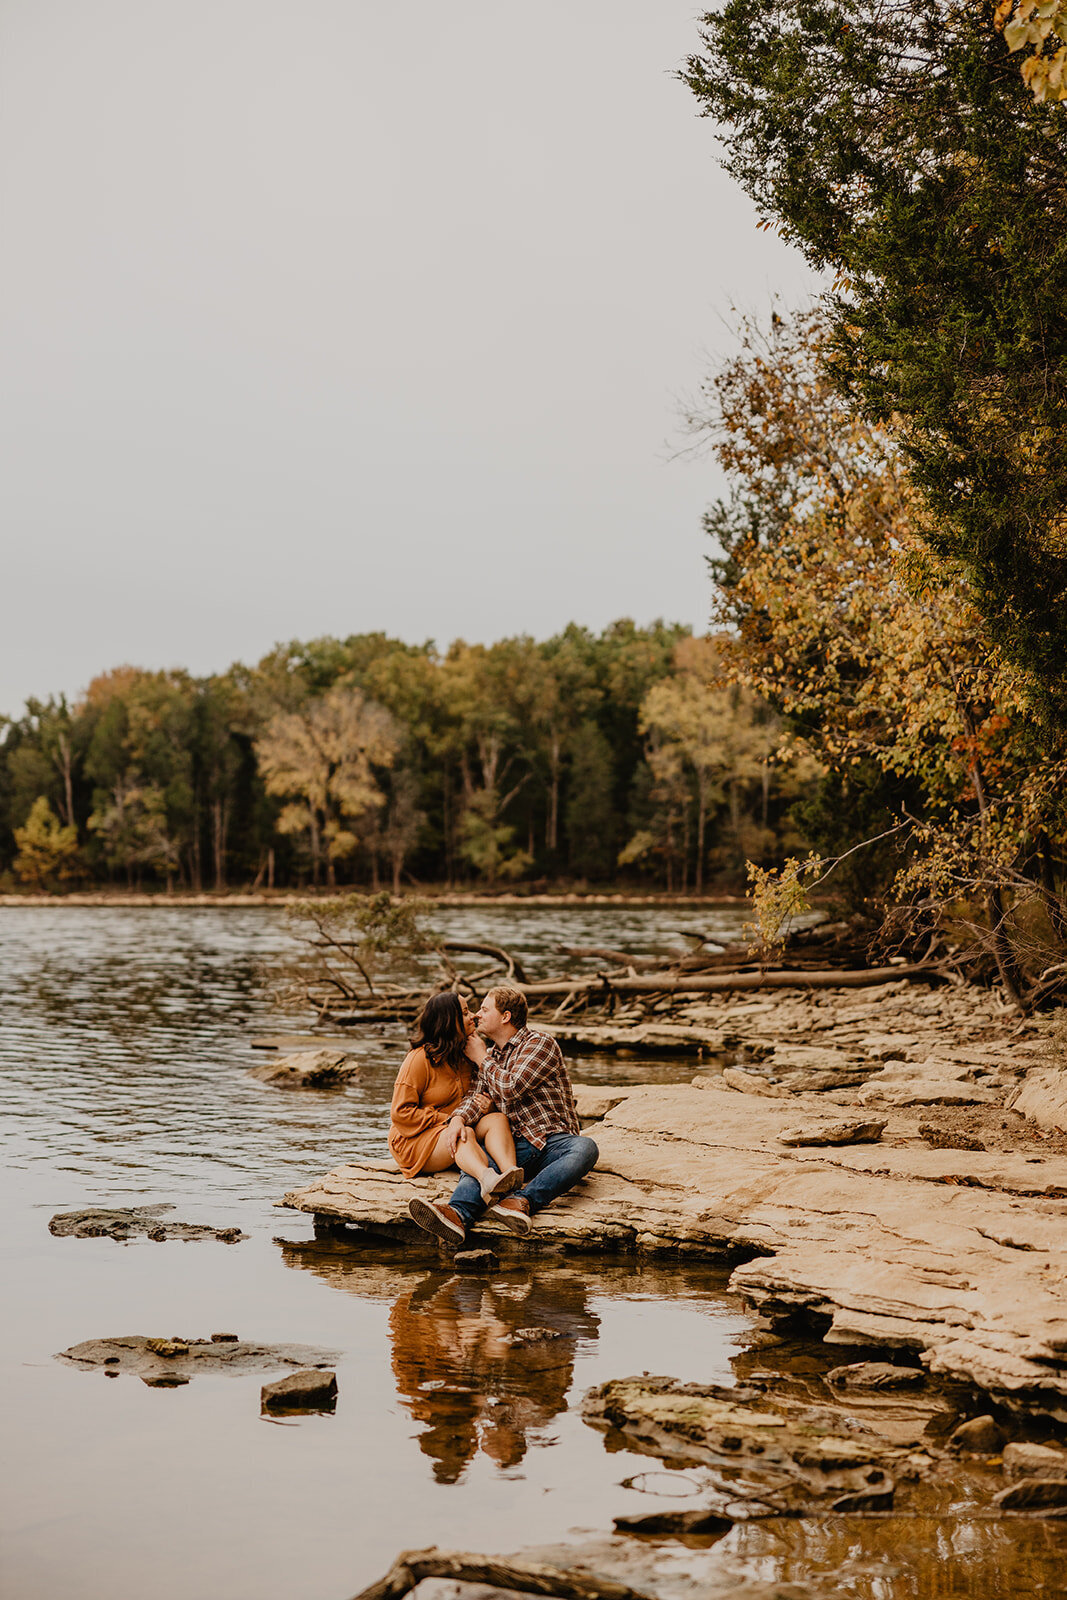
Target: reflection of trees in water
point(465, 1382)
point(917, 1558)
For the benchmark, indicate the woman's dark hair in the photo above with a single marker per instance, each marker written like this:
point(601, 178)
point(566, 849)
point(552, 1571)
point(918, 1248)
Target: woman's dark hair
point(441, 1030)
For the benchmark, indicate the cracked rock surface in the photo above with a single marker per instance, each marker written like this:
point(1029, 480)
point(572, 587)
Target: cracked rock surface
point(958, 1255)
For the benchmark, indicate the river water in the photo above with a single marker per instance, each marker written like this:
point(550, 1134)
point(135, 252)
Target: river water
point(125, 1040)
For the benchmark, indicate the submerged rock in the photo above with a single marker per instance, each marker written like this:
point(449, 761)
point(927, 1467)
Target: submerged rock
point(799, 1456)
point(132, 1222)
point(312, 1389)
point(675, 1522)
point(309, 1069)
point(167, 1362)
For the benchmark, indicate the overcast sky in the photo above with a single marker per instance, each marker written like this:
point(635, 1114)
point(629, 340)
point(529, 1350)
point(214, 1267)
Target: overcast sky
point(325, 316)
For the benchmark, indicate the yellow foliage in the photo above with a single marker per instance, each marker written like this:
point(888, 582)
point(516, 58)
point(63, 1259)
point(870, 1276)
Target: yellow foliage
point(47, 851)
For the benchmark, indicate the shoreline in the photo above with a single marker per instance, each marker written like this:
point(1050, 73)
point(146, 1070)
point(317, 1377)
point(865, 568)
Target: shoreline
point(289, 897)
point(887, 1168)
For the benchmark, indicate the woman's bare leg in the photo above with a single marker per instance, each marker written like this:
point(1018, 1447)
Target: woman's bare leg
point(469, 1157)
point(494, 1131)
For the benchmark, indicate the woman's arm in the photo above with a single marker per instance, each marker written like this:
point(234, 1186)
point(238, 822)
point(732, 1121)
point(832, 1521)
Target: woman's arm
point(407, 1114)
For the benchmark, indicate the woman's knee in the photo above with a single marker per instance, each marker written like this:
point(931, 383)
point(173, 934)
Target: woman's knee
point(492, 1120)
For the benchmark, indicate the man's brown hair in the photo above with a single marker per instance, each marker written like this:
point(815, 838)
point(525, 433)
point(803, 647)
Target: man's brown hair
point(505, 998)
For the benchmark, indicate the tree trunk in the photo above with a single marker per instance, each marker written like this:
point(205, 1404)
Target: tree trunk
point(68, 786)
point(220, 822)
point(702, 823)
point(555, 764)
point(314, 848)
point(270, 868)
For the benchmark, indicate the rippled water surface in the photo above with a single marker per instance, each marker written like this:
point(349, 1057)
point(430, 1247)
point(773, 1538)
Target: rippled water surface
point(125, 1039)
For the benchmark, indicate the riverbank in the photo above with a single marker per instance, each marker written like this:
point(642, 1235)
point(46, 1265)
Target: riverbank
point(942, 1232)
point(289, 897)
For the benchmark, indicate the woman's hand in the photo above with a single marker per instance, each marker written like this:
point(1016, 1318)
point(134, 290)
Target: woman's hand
point(458, 1132)
point(476, 1049)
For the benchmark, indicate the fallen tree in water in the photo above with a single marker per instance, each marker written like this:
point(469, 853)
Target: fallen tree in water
point(365, 957)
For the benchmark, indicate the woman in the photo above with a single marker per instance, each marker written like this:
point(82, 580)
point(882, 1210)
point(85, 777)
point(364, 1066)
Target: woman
point(433, 1079)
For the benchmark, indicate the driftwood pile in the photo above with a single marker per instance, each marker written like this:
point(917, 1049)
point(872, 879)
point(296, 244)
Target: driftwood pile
point(604, 984)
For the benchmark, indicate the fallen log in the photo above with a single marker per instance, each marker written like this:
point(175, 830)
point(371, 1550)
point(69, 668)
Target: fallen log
point(700, 983)
point(506, 959)
point(527, 1577)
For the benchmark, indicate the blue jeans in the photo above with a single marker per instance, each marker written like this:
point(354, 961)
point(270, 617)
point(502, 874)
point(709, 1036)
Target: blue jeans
point(565, 1159)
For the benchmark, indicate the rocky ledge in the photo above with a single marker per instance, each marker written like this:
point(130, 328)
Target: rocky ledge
point(911, 1243)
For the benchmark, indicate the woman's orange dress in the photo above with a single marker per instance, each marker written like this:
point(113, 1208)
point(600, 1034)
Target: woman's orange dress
point(425, 1096)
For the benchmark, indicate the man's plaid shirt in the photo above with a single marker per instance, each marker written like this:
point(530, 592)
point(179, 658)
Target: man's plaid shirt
point(527, 1081)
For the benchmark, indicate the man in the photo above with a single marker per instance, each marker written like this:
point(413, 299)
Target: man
point(521, 1074)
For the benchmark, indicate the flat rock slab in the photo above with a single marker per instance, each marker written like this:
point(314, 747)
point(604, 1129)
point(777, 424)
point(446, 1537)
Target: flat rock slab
point(958, 1256)
point(594, 1100)
point(646, 1038)
point(309, 1069)
point(169, 1362)
point(133, 1222)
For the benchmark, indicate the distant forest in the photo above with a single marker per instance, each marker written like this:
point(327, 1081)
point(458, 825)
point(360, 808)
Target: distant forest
point(365, 761)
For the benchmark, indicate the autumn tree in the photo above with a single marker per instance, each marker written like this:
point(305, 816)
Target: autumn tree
point(898, 147)
point(322, 759)
point(872, 659)
point(47, 849)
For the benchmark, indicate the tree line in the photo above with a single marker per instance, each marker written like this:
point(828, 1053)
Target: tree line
point(370, 761)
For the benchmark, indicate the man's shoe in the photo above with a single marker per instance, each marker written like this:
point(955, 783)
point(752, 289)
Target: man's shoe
point(495, 1185)
point(438, 1219)
point(514, 1213)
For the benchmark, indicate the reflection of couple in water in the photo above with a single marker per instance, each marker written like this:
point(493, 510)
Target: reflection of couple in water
point(464, 1375)
point(503, 1113)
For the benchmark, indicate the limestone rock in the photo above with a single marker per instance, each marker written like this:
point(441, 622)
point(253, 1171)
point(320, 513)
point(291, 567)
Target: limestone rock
point(1032, 1494)
point(131, 1222)
point(594, 1100)
point(1042, 1096)
point(875, 1375)
point(475, 1261)
point(978, 1436)
point(825, 1133)
point(312, 1389)
point(309, 1069)
point(800, 1456)
point(164, 1362)
point(1034, 1461)
point(923, 1083)
point(957, 1256)
point(811, 1058)
point(753, 1083)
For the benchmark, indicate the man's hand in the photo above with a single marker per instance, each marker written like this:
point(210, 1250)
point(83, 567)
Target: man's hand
point(481, 1103)
point(458, 1132)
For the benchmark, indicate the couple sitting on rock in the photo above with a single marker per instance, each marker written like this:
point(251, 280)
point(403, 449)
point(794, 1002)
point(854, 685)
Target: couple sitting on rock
point(504, 1114)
